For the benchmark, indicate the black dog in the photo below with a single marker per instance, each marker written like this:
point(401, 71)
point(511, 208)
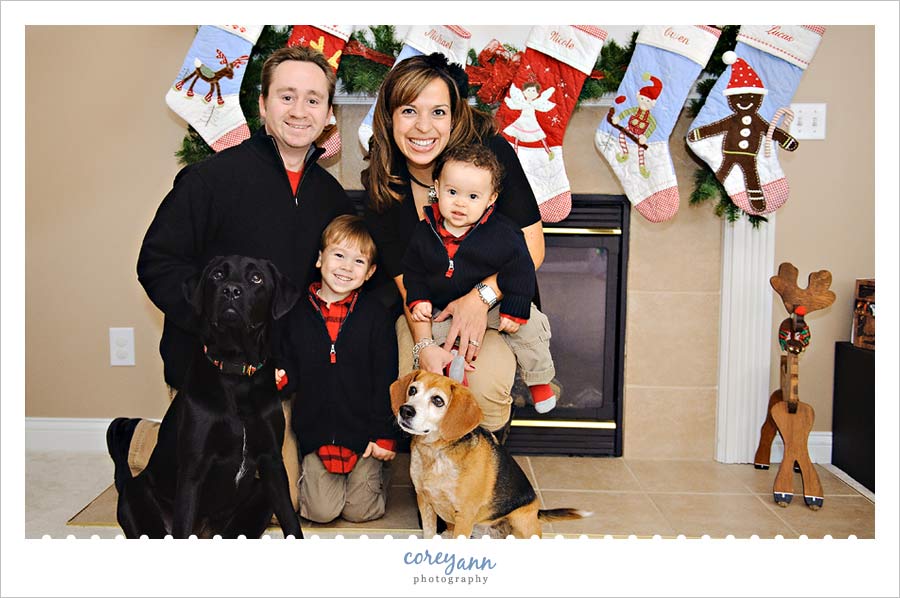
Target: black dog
point(217, 467)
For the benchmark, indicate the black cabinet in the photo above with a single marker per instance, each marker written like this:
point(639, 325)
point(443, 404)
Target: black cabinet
point(853, 417)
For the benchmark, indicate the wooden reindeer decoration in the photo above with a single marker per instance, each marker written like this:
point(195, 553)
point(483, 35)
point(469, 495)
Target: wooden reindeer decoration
point(786, 413)
point(201, 71)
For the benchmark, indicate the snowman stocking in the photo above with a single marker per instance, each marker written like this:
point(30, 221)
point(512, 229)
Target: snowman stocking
point(634, 137)
point(205, 92)
point(534, 115)
point(737, 130)
point(330, 41)
point(450, 40)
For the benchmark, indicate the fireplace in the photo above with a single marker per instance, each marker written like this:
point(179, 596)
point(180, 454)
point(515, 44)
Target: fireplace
point(582, 290)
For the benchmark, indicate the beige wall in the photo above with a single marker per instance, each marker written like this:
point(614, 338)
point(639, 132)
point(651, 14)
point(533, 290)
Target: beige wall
point(87, 213)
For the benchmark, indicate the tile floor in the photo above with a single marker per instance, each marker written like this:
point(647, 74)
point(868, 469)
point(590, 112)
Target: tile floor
point(628, 497)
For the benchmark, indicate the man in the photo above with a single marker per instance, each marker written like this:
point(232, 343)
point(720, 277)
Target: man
point(266, 198)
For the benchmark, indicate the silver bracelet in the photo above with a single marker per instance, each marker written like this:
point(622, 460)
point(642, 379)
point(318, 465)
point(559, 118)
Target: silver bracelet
point(425, 342)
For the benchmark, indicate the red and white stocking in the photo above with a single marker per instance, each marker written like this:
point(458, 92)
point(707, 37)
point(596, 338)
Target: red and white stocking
point(534, 115)
point(205, 92)
point(330, 41)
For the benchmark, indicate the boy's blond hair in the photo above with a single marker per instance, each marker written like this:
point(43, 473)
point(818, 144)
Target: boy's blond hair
point(353, 230)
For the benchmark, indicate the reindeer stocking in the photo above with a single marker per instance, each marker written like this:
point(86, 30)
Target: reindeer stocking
point(737, 130)
point(330, 41)
point(450, 40)
point(205, 93)
point(634, 138)
point(536, 111)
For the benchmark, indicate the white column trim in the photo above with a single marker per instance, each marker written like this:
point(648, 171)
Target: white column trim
point(745, 336)
point(77, 435)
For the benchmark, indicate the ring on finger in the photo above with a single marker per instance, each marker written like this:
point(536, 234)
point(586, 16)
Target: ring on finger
point(475, 343)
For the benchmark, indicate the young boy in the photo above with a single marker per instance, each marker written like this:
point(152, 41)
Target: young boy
point(339, 354)
point(460, 242)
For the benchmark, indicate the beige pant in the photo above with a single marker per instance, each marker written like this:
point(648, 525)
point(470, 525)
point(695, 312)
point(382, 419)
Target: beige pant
point(492, 380)
point(146, 432)
point(356, 496)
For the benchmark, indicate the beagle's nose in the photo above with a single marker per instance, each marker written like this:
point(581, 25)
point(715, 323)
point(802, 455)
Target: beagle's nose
point(407, 411)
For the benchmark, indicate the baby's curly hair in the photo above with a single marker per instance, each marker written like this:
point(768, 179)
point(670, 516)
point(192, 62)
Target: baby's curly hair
point(475, 154)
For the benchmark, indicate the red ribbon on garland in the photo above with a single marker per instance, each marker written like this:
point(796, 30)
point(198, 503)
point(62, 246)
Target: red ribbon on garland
point(498, 66)
point(354, 48)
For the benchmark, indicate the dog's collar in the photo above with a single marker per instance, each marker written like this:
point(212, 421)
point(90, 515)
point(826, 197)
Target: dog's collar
point(230, 367)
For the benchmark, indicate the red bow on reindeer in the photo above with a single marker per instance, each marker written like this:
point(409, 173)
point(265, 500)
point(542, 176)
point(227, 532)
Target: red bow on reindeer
point(498, 65)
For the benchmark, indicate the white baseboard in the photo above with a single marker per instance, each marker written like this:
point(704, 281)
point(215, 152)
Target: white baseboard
point(819, 447)
point(77, 435)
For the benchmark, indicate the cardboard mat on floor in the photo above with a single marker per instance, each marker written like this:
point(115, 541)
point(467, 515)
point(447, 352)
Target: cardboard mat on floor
point(400, 518)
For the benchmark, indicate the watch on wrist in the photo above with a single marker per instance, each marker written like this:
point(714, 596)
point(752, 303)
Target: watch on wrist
point(487, 294)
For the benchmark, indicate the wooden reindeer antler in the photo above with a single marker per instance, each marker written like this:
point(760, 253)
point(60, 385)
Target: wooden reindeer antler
point(814, 297)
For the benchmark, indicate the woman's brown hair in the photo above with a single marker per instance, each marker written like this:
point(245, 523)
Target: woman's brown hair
point(402, 86)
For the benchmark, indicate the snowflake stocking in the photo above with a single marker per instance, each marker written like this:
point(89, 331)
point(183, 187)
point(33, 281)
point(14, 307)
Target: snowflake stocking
point(205, 92)
point(737, 130)
point(534, 115)
point(634, 137)
point(330, 41)
point(450, 40)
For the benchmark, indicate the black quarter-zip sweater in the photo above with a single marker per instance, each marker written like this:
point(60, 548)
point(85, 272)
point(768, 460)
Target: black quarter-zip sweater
point(347, 402)
point(238, 201)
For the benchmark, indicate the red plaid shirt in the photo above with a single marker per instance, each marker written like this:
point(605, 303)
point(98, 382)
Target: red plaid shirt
point(338, 459)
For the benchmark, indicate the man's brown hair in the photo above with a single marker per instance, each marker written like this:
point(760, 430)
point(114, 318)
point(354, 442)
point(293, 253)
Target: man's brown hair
point(300, 54)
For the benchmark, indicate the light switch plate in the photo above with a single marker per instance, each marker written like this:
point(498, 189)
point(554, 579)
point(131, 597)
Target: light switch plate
point(809, 121)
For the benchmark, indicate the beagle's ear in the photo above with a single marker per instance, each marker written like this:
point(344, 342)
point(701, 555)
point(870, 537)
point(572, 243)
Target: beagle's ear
point(463, 414)
point(398, 390)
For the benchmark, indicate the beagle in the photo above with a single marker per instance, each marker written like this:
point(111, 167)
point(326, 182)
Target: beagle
point(459, 471)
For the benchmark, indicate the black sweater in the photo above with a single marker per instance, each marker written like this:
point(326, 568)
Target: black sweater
point(345, 403)
point(238, 201)
point(493, 245)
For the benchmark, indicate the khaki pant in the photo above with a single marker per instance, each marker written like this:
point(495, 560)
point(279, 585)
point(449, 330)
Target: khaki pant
point(492, 380)
point(356, 496)
point(531, 345)
point(146, 432)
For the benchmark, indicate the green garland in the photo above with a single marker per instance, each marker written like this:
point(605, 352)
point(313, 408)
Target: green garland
point(706, 185)
point(359, 75)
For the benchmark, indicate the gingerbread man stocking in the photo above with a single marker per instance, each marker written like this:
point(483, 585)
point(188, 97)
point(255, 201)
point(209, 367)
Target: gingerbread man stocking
point(737, 131)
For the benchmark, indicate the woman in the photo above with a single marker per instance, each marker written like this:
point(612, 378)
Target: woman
point(422, 109)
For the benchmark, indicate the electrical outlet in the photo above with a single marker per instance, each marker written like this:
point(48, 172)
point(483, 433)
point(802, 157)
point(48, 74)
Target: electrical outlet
point(809, 121)
point(121, 346)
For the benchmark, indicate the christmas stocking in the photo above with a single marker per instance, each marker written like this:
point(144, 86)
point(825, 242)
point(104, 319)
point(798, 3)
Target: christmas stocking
point(634, 137)
point(737, 129)
point(450, 40)
point(212, 71)
point(330, 41)
point(534, 114)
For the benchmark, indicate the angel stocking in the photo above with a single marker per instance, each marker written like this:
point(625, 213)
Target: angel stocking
point(213, 65)
point(737, 130)
point(330, 41)
point(634, 137)
point(450, 40)
point(534, 115)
